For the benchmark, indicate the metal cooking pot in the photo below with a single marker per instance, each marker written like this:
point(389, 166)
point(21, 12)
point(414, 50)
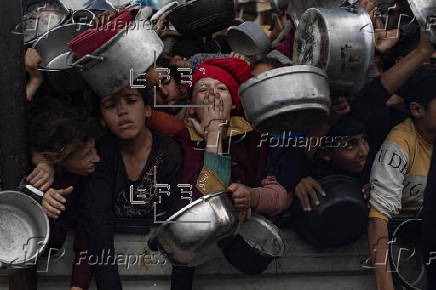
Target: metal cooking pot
point(55, 52)
point(296, 8)
point(24, 230)
point(341, 42)
point(190, 236)
point(340, 218)
point(263, 236)
point(288, 98)
point(406, 253)
point(122, 59)
point(202, 17)
point(248, 38)
point(41, 19)
point(425, 13)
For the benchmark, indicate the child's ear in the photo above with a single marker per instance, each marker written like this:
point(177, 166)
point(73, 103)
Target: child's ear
point(416, 110)
point(148, 111)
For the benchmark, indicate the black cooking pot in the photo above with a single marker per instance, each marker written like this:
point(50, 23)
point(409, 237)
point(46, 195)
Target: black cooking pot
point(202, 17)
point(340, 218)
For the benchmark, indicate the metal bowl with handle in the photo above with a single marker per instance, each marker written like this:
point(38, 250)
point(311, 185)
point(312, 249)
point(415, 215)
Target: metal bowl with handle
point(122, 59)
point(341, 42)
point(425, 13)
point(24, 230)
point(190, 236)
point(288, 98)
point(55, 53)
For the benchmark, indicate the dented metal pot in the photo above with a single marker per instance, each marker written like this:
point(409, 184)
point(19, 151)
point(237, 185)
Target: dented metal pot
point(122, 59)
point(288, 98)
point(341, 42)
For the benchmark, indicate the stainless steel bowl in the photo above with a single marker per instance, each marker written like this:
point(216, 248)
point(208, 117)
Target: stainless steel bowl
point(341, 42)
point(288, 98)
point(24, 229)
point(56, 54)
point(425, 13)
point(190, 236)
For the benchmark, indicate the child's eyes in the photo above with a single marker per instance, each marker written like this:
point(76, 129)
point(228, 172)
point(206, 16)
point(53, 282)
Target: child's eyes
point(131, 101)
point(109, 106)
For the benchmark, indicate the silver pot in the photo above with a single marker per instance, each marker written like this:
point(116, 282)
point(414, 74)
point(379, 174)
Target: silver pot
point(248, 38)
point(55, 52)
point(40, 19)
point(341, 42)
point(288, 98)
point(296, 8)
point(190, 236)
point(425, 13)
point(122, 59)
point(24, 230)
point(263, 236)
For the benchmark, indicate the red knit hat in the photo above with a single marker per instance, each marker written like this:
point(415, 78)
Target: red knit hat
point(230, 71)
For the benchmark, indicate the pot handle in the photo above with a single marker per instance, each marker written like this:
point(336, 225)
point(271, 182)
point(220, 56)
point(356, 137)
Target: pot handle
point(88, 61)
point(40, 68)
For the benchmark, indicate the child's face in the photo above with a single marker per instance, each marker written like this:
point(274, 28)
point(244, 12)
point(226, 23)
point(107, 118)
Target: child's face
point(201, 95)
point(124, 113)
point(351, 157)
point(81, 161)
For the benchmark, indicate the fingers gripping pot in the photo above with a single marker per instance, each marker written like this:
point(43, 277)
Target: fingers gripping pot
point(288, 98)
point(24, 230)
point(341, 42)
point(190, 236)
point(122, 59)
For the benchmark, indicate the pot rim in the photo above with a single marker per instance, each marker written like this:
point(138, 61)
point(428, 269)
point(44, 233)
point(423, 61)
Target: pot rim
point(286, 70)
point(46, 222)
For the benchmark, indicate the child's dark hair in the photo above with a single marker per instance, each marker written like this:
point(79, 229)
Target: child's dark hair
point(421, 87)
point(274, 63)
point(57, 126)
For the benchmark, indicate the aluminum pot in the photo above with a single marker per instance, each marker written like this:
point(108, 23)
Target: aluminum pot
point(24, 230)
point(425, 13)
point(341, 217)
point(288, 98)
point(190, 236)
point(122, 59)
point(263, 236)
point(40, 19)
point(55, 52)
point(296, 8)
point(202, 17)
point(248, 38)
point(341, 42)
